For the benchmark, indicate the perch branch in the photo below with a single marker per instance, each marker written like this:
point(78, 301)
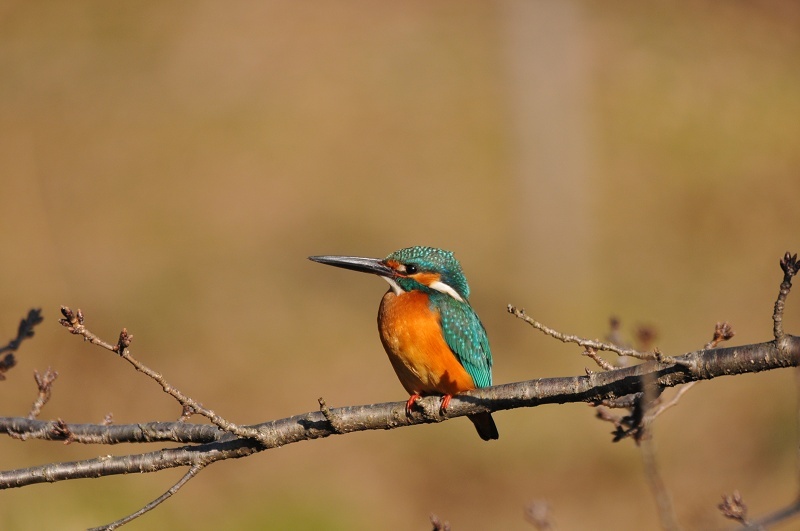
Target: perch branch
point(314, 425)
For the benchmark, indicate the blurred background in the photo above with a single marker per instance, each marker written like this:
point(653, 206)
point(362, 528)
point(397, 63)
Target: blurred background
point(168, 167)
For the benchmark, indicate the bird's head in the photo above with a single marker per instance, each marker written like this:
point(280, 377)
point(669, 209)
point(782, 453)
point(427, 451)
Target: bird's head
point(414, 268)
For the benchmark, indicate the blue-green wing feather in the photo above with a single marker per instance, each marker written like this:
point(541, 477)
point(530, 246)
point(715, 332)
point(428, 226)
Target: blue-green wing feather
point(466, 337)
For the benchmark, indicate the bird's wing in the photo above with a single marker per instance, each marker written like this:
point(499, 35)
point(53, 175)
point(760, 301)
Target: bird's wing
point(466, 337)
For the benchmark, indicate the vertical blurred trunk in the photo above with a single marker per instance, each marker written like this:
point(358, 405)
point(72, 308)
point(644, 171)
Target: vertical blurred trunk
point(548, 103)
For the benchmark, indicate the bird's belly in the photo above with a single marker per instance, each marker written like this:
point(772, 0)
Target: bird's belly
point(412, 337)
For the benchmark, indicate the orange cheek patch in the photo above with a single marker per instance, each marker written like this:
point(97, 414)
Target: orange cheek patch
point(426, 279)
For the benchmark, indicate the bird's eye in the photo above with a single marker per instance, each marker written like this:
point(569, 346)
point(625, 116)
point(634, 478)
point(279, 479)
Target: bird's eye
point(411, 269)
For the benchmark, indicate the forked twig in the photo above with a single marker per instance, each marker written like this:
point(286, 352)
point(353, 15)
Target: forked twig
point(593, 344)
point(74, 322)
point(45, 384)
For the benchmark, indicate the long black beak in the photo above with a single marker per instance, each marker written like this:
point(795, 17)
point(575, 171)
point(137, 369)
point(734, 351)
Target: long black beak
point(356, 263)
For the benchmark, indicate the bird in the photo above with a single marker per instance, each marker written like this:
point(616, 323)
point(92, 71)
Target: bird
point(435, 341)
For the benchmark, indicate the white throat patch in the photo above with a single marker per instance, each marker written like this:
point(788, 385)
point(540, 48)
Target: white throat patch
point(395, 286)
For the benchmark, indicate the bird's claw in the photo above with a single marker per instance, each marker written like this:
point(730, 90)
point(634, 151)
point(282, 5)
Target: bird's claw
point(445, 402)
point(411, 401)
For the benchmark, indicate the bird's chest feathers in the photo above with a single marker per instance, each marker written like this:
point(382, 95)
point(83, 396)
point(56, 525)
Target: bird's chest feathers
point(411, 334)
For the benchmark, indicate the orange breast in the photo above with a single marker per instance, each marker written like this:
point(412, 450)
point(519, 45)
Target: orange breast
point(412, 336)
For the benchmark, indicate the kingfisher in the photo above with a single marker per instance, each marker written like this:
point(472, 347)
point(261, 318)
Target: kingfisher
point(434, 339)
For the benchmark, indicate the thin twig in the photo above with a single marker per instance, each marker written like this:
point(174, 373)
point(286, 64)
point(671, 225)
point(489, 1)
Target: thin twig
point(585, 343)
point(592, 353)
point(663, 407)
point(45, 384)
point(329, 416)
point(155, 503)
point(186, 413)
point(790, 267)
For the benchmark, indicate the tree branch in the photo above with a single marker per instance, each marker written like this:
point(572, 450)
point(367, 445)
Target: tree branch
point(215, 445)
point(146, 432)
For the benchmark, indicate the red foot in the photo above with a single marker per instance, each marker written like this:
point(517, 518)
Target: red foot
point(446, 402)
point(411, 401)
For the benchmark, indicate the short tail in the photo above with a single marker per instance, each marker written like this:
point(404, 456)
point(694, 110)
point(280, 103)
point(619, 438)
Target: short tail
point(484, 423)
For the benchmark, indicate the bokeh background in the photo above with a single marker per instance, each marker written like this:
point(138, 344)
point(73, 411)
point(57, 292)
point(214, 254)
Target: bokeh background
point(168, 166)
